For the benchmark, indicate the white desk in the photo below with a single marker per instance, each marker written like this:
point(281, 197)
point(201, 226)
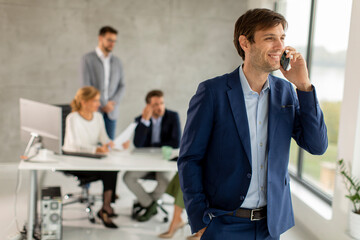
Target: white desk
point(145, 160)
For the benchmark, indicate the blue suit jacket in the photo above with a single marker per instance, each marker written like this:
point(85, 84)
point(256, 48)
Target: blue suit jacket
point(215, 153)
point(170, 131)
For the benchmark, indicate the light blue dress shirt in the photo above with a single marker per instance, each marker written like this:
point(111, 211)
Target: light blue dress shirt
point(156, 128)
point(257, 110)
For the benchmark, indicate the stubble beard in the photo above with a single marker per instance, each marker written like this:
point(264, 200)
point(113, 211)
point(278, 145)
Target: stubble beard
point(108, 50)
point(158, 114)
point(262, 63)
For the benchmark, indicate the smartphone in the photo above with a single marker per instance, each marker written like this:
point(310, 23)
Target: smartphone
point(285, 62)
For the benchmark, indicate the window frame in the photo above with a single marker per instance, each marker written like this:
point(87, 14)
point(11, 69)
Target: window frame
point(297, 176)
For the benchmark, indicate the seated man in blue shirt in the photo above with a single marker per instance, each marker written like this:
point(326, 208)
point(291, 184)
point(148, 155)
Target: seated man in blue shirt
point(157, 127)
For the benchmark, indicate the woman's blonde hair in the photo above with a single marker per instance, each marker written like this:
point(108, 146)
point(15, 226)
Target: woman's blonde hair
point(85, 93)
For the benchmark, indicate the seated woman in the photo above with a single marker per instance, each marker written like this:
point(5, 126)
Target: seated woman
point(85, 129)
point(174, 190)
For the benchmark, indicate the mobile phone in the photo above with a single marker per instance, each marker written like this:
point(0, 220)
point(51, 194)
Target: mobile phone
point(285, 62)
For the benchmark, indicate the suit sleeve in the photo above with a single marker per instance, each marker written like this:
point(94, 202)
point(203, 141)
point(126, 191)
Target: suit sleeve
point(175, 133)
point(192, 152)
point(120, 88)
point(309, 130)
point(85, 73)
point(141, 133)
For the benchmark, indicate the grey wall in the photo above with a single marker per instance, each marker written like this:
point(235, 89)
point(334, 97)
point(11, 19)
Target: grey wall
point(168, 44)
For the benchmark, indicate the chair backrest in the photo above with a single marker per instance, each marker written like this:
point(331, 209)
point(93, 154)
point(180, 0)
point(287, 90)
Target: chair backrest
point(66, 109)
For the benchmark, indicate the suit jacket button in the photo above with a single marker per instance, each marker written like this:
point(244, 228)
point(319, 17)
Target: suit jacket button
point(242, 198)
point(248, 175)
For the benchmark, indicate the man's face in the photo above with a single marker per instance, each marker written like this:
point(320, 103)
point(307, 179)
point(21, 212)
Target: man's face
point(107, 42)
point(158, 106)
point(265, 53)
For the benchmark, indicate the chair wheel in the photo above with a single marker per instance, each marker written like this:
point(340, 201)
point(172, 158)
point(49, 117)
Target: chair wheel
point(92, 220)
point(166, 219)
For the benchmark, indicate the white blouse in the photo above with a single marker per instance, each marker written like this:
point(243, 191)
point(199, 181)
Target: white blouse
point(83, 135)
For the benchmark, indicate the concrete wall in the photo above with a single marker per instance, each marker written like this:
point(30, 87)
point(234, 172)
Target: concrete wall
point(166, 44)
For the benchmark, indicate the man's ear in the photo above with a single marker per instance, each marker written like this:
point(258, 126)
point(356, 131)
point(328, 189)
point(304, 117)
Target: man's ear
point(244, 43)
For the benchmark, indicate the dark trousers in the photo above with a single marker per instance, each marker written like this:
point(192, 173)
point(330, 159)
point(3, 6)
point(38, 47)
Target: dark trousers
point(110, 126)
point(108, 179)
point(234, 228)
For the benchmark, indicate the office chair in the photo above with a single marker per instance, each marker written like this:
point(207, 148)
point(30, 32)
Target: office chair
point(84, 196)
point(136, 209)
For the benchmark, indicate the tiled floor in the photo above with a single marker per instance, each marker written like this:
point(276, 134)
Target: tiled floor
point(76, 225)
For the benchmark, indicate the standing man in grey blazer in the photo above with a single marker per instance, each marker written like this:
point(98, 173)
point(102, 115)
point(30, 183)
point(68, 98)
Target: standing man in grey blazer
point(103, 70)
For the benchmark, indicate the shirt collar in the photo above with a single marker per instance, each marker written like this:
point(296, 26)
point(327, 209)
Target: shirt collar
point(156, 120)
point(245, 84)
point(100, 54)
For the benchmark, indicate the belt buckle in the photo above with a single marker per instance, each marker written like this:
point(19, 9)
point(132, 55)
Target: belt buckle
point(252, 216)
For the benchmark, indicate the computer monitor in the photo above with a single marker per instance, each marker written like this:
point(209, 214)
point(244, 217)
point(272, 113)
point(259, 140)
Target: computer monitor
point(43, 121)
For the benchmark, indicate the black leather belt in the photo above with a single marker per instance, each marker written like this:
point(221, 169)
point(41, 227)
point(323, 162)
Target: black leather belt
point(253, 214)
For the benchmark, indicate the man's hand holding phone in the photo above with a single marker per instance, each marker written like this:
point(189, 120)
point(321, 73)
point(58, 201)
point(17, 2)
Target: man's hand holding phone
point(298, 74)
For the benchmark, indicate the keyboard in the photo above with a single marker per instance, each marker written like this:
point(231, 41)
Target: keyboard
point(82, 154)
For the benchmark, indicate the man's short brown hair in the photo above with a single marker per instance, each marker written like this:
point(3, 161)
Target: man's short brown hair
point(153, 93)
point(107, 29)
point(254, 20)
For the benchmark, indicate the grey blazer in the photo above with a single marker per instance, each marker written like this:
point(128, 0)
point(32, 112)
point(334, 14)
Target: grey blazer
point(92, 70)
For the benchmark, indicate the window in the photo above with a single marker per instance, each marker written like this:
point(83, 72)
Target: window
point(319, 30)
point(297, 36)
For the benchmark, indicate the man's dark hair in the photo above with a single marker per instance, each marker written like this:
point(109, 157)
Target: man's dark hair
point(107, 29)
point(153, 93)
point(254, 20)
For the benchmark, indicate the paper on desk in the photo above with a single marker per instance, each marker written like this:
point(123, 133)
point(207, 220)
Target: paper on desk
point(124, 136)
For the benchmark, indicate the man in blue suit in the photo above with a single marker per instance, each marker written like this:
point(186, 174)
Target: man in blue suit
point(234, 153)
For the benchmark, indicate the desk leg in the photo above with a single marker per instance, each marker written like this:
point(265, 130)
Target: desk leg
point(32, 204)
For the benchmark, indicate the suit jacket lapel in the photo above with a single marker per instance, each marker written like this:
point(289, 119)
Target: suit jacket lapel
point(99, 77)
point(111, 73)
point(238, 107)
point(274, 108)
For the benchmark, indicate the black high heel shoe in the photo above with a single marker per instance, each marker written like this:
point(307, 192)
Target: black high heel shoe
point(103, 215)
point(112, 215)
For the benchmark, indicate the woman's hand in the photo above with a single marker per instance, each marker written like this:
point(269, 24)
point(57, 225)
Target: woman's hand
point(126, 144)
point(103, 149)
point(110, 144)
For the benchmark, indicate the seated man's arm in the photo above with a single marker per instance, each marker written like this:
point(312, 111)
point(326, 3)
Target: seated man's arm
point(141, 133)
point(143, 129)
point(193, 148)
point(175, 133)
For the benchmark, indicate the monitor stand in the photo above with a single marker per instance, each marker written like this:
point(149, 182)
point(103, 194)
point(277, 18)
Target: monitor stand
point(33, 137)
